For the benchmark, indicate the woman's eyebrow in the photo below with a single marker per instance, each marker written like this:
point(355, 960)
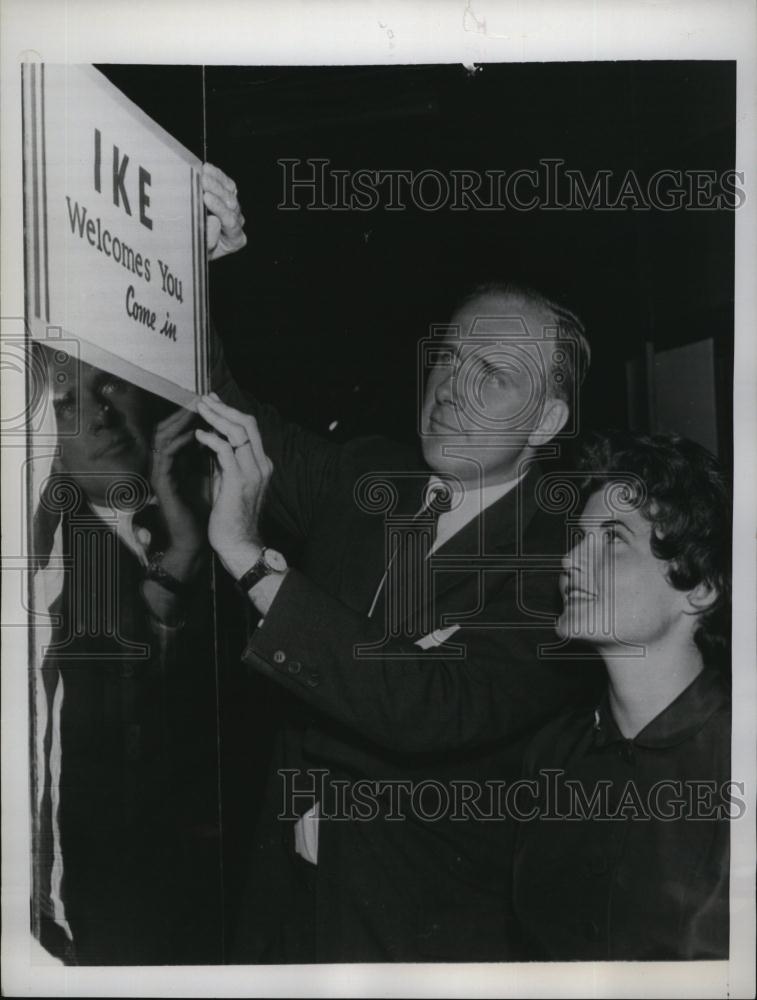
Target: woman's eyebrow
point(616, 523)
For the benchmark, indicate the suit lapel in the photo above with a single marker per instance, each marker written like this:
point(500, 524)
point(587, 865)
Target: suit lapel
point(498, 530)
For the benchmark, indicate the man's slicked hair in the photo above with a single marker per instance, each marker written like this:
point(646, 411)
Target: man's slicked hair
point(564, 378)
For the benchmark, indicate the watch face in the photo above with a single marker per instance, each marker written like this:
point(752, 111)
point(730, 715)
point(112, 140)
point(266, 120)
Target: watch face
point(275, 561)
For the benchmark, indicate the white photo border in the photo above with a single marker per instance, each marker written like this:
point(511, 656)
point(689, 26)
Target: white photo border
point(234, 32)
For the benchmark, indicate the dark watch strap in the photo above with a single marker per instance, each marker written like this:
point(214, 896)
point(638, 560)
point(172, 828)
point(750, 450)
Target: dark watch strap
point(160, 575)
point(254, 574)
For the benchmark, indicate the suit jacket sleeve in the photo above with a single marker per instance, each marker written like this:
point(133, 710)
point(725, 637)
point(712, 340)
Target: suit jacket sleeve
point(408, 699)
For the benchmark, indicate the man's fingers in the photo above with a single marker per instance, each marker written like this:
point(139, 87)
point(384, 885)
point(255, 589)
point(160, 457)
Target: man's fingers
point(222, 448)
point(233, 430)
point(248, 423)
point(210, 185)
point(227, 209)
point(212, 232)
point(210, 170)
point(226, 223)
point(256, 444)
point(213, 403)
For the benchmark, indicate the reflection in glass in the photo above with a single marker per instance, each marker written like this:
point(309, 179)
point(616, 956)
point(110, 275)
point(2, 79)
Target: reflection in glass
point(126, 824)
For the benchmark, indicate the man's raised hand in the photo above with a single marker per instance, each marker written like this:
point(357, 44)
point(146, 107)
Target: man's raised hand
point(225, 228)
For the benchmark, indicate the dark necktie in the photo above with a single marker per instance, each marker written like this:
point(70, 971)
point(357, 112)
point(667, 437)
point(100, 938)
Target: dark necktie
point(404, 592)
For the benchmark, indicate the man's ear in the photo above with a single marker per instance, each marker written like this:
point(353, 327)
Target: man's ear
point(701, 598)
point(554, 416)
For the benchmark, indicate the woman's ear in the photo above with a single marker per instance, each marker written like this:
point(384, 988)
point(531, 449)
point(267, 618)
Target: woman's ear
point(701, 598)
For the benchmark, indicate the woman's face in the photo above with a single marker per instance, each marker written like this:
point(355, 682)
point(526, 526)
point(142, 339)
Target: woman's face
point(615, 590)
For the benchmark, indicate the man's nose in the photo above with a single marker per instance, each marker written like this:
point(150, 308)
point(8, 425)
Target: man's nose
point(445, 390)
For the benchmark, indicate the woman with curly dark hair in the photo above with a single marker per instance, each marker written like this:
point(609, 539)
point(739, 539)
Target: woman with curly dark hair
point(626, 854)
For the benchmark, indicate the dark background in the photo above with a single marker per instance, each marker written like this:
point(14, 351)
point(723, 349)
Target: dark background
point(322, 311)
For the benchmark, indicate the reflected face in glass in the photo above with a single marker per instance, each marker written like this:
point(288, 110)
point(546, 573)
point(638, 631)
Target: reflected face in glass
point(615, 590)
point(103, 423)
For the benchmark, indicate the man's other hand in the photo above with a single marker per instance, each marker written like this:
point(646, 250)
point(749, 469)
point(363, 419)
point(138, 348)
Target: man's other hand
point(225, 229)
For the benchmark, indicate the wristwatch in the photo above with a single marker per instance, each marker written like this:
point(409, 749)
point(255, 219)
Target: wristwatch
point(269, 561)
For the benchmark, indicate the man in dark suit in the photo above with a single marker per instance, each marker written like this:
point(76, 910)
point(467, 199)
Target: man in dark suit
point(405, 647)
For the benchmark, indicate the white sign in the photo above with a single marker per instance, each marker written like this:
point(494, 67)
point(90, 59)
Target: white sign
point(115, 232)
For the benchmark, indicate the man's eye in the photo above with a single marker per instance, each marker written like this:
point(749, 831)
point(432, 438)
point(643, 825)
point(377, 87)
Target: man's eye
point(110, 386)
point(492, 377)
point(441, 358)
point(611, 535)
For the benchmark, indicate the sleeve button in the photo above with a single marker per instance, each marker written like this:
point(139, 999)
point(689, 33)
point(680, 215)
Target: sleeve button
point(279, 656)
point(314, 678)
point(294, 667)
